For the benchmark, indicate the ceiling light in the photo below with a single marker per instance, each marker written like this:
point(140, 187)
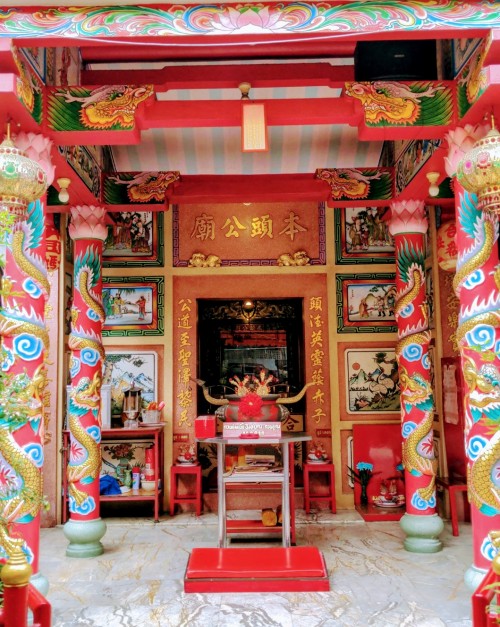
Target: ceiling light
point(63, 183)
point(253, 123)
point(433, 178)
point(248, 309)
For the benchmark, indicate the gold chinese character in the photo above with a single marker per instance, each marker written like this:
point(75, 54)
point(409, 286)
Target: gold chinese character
point(184, 357)
point(184, 339)
point(185, 304)
point(183, 322)
point(184, 376)
point(317, 338)
point(316, 303)
point(292, 226)
point(319, 397)
point(184, 419)
point(232, 226)
point(315, 321)
point(318, 377)
point(317, 358)
point(262, 226)
point(185, 397)
point(204, 227)
point(318, 414)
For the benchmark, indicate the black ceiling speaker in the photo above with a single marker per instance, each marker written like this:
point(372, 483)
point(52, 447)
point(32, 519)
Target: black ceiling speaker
point(395, 60)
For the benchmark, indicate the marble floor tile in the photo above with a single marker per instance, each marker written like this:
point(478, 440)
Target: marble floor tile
point(138, 581)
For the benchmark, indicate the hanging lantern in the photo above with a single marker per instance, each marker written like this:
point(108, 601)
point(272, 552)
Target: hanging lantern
point(22, 180)
point(446, 246)
point(479, 171)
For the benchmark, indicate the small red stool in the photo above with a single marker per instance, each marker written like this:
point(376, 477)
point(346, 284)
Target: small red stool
point(454, 486)
point(195, 498)
point(308, 497)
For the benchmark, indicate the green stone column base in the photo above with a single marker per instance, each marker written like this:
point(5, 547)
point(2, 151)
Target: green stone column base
point(84, 537)
point(422, 533)
point(473, 577)
point(40, 582)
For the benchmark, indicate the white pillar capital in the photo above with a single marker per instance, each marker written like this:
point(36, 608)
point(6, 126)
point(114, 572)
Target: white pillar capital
point(408, 216)
point(460, 141)
point(37, 147)
point(88, 222)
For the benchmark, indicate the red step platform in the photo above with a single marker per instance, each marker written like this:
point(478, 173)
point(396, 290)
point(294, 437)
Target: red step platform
point(275, 569)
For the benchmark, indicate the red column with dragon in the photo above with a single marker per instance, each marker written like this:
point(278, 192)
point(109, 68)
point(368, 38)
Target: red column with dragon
point(25, 289)
point(477, 285)
point(421, 524)
point(85, 528)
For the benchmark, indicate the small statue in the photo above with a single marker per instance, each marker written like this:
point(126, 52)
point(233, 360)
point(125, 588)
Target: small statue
point(298, 258)
point(199, 260)
point(187, 454)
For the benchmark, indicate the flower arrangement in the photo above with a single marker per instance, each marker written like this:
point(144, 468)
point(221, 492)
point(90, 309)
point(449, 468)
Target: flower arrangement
point(363, 476)
point(121, 451)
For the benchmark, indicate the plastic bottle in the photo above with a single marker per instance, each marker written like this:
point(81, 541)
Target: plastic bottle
point(136, 478)
point(150, 470)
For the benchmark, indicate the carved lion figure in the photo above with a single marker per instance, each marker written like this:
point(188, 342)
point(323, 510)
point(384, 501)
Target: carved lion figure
point(199, 260)
point(298, 258)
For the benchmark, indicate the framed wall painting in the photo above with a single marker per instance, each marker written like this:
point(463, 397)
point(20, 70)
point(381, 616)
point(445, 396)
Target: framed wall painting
point(69, 249)
point(436, 441)
point(36, 57)
point(113, 451)
point(369, 381)
point(451, 391)
point(462, 52)
point(365, 303)
point(85, 165)
point(429, 289)
point(415, 155)
point(123, 370)
point(68, 301)
point(432, 361)
point(133, 306)
point(135, 239)
point(362, 236)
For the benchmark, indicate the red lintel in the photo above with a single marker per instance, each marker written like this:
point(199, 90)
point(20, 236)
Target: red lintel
point(256, 188)
point(226, 76)
point(207, 113)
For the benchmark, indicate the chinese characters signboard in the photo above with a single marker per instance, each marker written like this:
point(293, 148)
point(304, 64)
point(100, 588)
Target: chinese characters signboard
point(249, 234)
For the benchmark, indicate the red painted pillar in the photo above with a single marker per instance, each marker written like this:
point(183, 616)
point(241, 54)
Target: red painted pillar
point(477, 285)
point(478, 336)
point(25, 344)
point(85, 528)
point(421, 524)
